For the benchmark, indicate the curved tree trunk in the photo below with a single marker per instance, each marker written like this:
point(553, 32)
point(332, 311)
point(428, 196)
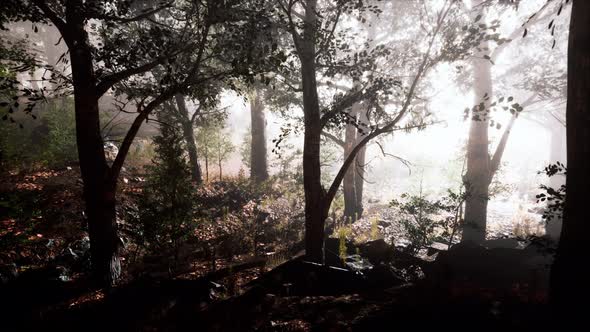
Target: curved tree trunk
point(258, 154)
point(189, 137)
point(570, 275)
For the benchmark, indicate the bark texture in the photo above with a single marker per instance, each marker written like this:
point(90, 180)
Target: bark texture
point(188, 131)
point(570, 273)
point(99, 187)
point(315, 211)
point(477, 178)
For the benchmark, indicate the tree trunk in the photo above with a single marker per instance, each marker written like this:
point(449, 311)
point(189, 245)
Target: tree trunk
point(188, 132)
point(315, 211)
point(258, 158)
point(558, 147)
point(359, 177)
point(220, 173)
point(570, 275)
point(349, 181)
point(207, 167)
point(478, 176)
point(99, 189)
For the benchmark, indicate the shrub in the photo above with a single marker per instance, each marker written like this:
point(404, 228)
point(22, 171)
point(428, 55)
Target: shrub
point(165, 212)
point(425, 221)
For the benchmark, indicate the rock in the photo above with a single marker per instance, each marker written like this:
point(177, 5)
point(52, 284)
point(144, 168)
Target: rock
point(475, 267)
point(510, 243)
point(383, 275)
point(8, 273)
point(377, 251)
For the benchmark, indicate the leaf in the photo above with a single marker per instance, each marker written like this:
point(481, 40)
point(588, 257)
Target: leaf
point(525, 33)
point(477, 18)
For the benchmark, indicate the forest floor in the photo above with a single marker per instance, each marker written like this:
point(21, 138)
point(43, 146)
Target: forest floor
point(42, 233)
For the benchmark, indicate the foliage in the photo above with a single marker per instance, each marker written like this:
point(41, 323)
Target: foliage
point(215, 144)
point(48, 141)
point(555, 197)
point(246, 147)
point(243, 217)
point(166, 209)
point(61, 146)
point(425, 221)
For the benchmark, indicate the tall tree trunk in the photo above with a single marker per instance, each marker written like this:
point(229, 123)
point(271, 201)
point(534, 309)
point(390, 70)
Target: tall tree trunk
point(477, 178)
point(99, 189)
point(570, 273)
point(207, 167)
point(315, 211)
point(349, 181)
point(220, 171)
point(558, 148)
point(258, 154)
point(359, 177)
point(188, 132)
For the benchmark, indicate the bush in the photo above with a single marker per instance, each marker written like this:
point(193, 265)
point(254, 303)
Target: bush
point(165, 213)
point(425, 221)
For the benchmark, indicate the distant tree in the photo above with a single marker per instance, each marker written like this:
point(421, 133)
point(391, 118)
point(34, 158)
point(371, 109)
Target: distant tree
point(246, 147)
point(258, 151)
point(222, 147)
point(216, 145)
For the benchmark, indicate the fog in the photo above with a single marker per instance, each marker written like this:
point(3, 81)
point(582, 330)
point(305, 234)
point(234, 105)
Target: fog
point(290, 164)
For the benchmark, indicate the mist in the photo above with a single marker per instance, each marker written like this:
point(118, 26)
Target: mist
point(293, 164)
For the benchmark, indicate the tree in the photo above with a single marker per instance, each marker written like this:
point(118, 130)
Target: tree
point(312, 29)
point(222, 147)
point(569, 275)
point(188, 132)
point(127, 39)
point(216, 144)
point(166, 209)
point(258, 154)
point(482, 165)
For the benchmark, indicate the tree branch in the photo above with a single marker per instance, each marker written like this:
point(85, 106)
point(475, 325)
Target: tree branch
point(334, 138)
point(497, 158)
point(351, 157)
point(58, 22)
point(133, 130)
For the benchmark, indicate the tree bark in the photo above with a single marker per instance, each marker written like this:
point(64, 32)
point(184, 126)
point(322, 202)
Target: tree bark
point(570, 275)
point(477, 178)
point(558, 147)
point(359, 177)
point(349, 181)
point(99, 188)
point(315, 211)
point(188, 132)
point(258, 153)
